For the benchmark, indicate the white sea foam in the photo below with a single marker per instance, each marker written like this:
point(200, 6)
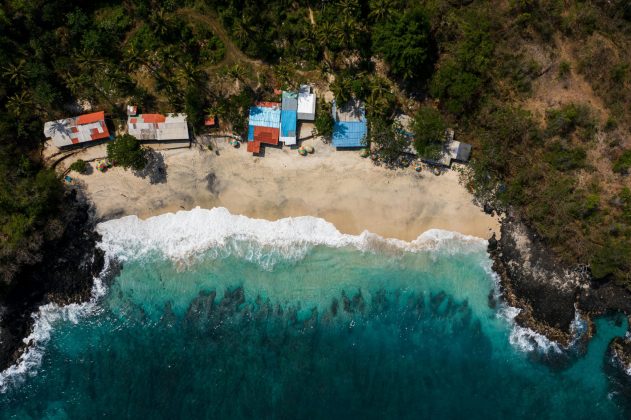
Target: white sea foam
point(45, 318)
point(186, 234)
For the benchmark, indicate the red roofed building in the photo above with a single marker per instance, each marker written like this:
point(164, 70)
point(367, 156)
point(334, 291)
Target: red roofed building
point(82, 129)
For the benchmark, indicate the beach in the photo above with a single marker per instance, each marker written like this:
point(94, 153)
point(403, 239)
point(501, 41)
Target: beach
point(339, 186)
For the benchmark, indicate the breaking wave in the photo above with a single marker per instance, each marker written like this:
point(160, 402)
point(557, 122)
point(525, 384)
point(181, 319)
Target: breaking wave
point(187, 235)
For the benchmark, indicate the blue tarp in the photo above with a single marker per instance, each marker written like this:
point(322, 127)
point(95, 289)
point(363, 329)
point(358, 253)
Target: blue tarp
point(349, 134)
point(288, 123)
point(265, 117)
point(250, 133)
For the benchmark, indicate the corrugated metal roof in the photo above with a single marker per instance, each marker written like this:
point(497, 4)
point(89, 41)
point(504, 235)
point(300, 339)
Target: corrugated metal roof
point(290, 101)
point(81, 129)
point(90, 118)
point(349, 134)
point(264, 116)
point(288, 123)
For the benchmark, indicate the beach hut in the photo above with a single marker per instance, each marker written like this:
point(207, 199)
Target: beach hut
point(78, 130)
point(264, 125)
point(158, 127)
point(349, 125)
point(306, 103)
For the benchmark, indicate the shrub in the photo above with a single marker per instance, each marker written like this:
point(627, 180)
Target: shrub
point(565, 120)
point(324, 120)
point(564, 69)
point(126, 151)
point(429, 131)
point(79, 166)
point(623, 163)
point(563, 158)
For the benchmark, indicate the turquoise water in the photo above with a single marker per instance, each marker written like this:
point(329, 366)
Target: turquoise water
point(335, 333)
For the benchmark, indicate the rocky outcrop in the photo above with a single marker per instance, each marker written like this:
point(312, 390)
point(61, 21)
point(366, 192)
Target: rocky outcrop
point(533, 280)
point(64, 275)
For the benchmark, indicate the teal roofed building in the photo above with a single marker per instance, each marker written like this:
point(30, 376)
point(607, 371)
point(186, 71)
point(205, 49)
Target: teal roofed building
point(350, 126)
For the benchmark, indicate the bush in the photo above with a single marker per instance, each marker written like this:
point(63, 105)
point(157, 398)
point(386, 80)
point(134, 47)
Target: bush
point(126, 151)
point(79, 166)
point(565, 120)
point(429, 132)
point(563, 158)
point(623, 163)
point(324, 120)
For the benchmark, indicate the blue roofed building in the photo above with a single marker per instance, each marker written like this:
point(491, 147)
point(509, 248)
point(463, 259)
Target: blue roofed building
point(264, 125)
point(350, 126)
point(288, 118)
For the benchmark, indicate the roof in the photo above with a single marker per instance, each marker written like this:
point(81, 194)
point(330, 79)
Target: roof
point(81, 129)
point(261, 135)
point(152, 118)
point(288, 126)
point(158, 127)
point(265, 116)
point(306, 102)
point(350, 126)
point(91, 118)
point(349, 134)
point(289, 101)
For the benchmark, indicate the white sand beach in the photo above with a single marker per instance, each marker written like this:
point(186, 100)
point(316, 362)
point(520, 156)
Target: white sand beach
point(339, 186)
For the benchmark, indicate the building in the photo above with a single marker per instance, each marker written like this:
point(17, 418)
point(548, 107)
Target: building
point(82, 129)
point(158, 127)
point(350, 126)
point(288, 118)
point(306, 103)
point(264, 125)
point(453, 151)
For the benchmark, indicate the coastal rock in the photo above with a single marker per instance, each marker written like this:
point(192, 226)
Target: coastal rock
point(64, 275)
point(533, 280)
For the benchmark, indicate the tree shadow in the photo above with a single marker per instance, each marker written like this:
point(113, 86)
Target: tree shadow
point(156, 168)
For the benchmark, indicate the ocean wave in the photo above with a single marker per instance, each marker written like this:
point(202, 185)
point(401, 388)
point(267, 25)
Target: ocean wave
point(184, 235)
point(46, 316)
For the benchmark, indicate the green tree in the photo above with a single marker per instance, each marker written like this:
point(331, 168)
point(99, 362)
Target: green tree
point(323, 120)
point(78, 166)
point(127, 152)
point(429, 132)
point(405, 44)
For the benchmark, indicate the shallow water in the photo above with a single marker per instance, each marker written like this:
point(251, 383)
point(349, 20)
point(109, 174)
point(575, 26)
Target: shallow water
point(332, 332)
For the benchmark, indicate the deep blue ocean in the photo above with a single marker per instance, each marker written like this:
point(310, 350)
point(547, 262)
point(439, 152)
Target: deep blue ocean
point(218, 316)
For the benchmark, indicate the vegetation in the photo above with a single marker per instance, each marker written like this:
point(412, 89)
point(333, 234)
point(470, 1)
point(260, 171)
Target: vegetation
point(127, 152)
point(79, 166)
point(483, 66)
point(323, 120)
point(429, 132)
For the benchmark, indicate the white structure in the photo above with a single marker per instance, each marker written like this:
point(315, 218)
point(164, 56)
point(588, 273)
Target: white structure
point(158, 127)
point(82, 129)
point(306, 103)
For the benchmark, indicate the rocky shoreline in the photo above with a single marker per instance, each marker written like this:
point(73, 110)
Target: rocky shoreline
point(64, 275)
point(548, 293)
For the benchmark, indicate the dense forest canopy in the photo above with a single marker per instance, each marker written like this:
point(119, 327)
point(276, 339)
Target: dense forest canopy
point(541, 88)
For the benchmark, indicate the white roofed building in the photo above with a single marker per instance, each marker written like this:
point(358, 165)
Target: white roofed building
point(158, 127)
point(306, 103)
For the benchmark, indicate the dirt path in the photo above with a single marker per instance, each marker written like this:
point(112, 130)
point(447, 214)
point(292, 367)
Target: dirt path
point(233, 53)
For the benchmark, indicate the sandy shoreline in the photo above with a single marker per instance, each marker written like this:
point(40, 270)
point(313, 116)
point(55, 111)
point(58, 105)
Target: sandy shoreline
point(339, 186)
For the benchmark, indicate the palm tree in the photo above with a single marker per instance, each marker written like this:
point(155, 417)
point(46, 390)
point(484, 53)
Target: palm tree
point(18, 104)
point(381, 9)
point(161, 22)
point(348, 7)
point(188, 74)
point(15, 72)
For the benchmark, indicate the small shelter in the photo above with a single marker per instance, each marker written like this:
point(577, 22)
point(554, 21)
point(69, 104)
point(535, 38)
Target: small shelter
point(453, 151)
point(306, 103)
point(350, 126)
point(82, 129)
point(158, 127)
point(288, 118)
point(264, 125)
